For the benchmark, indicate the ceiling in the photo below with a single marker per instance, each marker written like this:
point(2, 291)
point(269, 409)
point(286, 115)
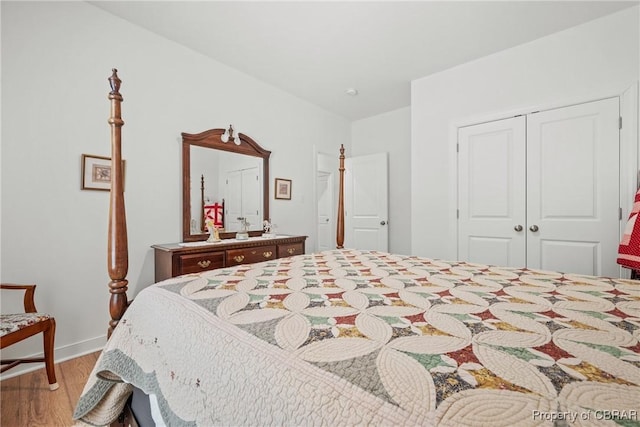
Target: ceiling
point(318, 50)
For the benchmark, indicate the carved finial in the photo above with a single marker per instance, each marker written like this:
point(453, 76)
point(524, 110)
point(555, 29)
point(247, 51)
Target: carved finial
point(114, 81)
point(231, 137)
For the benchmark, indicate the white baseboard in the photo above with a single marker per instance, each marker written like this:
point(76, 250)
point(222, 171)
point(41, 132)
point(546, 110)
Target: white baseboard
point(61, 354)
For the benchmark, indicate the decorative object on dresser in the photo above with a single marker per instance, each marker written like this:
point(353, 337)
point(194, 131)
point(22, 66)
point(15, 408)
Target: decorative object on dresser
point(214, 232)
point(20, 326)
point(243, 233)
point(175, 259)
point(268, 228)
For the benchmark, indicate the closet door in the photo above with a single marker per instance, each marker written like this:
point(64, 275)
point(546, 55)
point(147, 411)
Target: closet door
point(491, 193)
point(573, 188)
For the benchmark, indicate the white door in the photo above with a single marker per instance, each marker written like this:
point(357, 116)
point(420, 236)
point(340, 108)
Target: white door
point(325, 211)
point(491, 196)
point(252, 198)
point(233, 201)
point(573, 188)
point(366, 202)
point(326, 200)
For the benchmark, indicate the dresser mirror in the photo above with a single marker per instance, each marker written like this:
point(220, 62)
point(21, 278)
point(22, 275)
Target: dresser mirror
point(225, 178)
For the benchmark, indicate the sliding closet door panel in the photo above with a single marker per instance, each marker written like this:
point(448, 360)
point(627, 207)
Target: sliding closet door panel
point(491, 196)
point(572, 188)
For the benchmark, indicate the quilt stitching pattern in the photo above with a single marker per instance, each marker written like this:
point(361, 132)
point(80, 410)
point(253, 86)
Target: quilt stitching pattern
point(449, 336)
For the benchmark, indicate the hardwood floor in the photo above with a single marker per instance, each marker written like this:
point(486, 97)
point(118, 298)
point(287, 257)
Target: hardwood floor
point(26, 400)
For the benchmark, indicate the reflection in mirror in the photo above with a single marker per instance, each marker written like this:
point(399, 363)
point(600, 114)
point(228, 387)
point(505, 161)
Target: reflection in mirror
point(225, 187)
point(223, 179)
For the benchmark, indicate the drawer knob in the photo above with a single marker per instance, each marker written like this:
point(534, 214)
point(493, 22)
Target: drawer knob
point(267, 254)
point(204, 263)
point(291, 251)
point(239, 258)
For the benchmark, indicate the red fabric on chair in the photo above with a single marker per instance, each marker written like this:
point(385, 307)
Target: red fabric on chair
point(629, 249)
point(214, 213)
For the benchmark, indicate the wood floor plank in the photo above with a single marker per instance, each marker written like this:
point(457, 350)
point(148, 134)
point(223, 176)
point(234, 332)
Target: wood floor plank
point(76, 375)
point(49, 408)
point(10, 397)
point(26, 401)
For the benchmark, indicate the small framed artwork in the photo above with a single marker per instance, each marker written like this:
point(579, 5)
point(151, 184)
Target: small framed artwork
point(283, 189)
point(96, 172)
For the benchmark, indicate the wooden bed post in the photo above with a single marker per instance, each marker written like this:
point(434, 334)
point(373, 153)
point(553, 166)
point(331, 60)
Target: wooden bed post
point(117, 252)
point(340, 231)
point(203, 226)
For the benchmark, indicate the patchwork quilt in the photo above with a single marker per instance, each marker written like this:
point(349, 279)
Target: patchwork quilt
point(348, 337)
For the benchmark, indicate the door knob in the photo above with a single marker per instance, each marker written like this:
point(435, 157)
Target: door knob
point(326, 220)
point(383, 223)
point(533, 228)
point(518, 227)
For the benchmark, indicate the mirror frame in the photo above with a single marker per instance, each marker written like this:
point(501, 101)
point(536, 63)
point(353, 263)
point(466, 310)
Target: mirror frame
point(240, 144)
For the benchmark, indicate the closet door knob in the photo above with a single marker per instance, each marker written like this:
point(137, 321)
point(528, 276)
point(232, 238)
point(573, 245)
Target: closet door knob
point(518, 228)
point(533, 228)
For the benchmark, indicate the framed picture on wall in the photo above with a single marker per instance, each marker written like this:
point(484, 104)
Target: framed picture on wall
point(283, 189)
point(96, 172)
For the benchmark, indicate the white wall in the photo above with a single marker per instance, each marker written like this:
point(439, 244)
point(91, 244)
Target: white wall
point(56, 58)
point(591, 61)
point(390, 132)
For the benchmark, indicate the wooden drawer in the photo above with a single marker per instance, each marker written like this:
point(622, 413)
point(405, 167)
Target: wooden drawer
point(175, 259)
point(194, 263)
point(290, 249)
point(249, 255)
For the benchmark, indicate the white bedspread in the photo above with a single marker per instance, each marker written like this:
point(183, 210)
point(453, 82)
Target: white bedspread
point(367, 338)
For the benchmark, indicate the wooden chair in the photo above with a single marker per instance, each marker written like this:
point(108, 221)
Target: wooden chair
point(17, 327)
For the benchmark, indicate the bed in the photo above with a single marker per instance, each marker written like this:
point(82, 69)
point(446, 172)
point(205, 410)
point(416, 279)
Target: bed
point(355, 337)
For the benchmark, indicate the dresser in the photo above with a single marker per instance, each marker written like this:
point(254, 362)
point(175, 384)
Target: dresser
point(175, 259)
